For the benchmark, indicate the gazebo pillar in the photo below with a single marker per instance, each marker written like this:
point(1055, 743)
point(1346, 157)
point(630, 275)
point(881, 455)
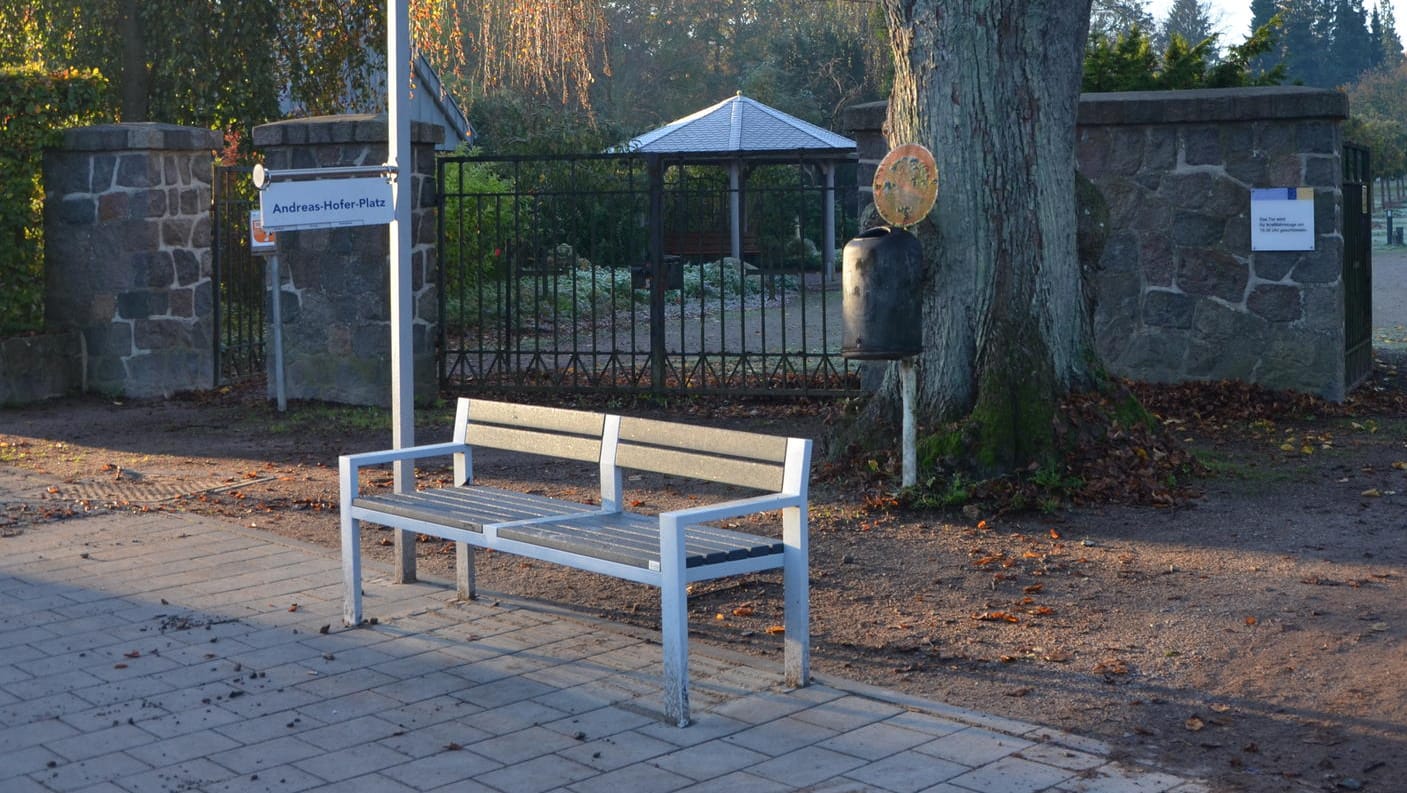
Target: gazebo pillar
point(735, 209)
point(828, 224)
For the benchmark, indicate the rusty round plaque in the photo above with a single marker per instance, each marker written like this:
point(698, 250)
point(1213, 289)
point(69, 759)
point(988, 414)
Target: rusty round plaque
point(906, 184)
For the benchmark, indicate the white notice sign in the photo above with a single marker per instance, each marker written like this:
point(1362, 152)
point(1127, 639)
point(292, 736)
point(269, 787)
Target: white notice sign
point(326, 203)
point(1282, 219)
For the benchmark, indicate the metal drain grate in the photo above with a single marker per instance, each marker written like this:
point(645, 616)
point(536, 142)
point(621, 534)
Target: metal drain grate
point(148, 490)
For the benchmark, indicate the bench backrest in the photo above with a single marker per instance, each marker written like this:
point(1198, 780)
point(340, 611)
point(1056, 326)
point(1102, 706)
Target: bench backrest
point(530, 429)
point(717, 455)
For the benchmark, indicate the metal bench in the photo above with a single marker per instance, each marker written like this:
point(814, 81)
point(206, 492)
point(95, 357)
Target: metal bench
point(668, 551)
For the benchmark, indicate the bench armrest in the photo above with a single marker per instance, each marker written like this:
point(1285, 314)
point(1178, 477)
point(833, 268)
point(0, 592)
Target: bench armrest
point(349, 464)
point(736, 508)
point(363, 459)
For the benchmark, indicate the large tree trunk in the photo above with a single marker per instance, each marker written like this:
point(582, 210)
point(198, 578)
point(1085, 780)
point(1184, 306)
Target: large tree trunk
point(135, 78)
point(992, 88)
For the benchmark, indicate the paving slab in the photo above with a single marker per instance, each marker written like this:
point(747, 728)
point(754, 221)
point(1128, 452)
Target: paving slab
point(164, 651)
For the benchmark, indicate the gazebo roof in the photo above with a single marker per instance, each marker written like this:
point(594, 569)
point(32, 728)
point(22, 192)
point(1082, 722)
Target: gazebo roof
point(739, 125)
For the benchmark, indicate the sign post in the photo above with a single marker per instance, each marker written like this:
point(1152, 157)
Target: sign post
point(402, 351)
point(262, 242)
point(357, 195)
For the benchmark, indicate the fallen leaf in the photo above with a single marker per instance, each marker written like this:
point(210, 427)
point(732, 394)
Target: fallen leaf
point(1218, 707)
point(1033, 589)
point(1054, 535)
point(742, 611)
point(1193, 724)
point(776, 629)
point(293, 607)
point(1371, 492)
point(132, 654)
point(996, 616)
point(1112, 666)
point(1250, 620)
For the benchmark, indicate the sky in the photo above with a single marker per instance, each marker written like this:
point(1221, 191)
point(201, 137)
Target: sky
point(1235, 15)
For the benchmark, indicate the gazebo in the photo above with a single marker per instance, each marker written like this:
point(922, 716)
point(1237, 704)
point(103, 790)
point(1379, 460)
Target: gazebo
point(739, 131)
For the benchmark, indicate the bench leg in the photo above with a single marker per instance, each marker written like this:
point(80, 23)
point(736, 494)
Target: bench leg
point(674, 624)
point(351, 569)
point(404, 572)
point(464, 570)
point(796, 595)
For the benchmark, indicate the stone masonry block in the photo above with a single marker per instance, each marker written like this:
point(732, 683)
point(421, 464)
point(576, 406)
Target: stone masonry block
point(1275, 265)
point(1210, 273)
point(138, 170)
point(1166, 309)
point(176, 232)
point(78, 211)
point(1202, 146)
point(1323, 171)
point(1196, 229)
point(1275, 302)
point(1318, 137)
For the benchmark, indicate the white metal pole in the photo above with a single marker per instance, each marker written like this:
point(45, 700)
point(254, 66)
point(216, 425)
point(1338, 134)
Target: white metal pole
point(276, 317)
point(402, 352)
point(908, 387)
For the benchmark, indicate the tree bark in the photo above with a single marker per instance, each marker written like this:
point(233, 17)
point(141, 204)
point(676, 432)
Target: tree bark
point(992, 88)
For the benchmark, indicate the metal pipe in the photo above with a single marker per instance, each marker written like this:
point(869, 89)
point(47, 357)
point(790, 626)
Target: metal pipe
point(263, 177)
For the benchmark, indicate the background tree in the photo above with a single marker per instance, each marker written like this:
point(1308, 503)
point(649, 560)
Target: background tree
point(1189, 19)
point(1352, 50)
point(219, 64)
point(1111, 18)
point(1129, 62)
point(1389, 44)
point(992, 87)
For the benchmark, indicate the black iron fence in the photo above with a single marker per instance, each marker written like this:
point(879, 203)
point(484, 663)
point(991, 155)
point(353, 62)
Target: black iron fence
point(641, 273)
point(1357, 264)
point(238, 278)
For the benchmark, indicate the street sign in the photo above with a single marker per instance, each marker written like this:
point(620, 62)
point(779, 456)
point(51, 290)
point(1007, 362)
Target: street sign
point(1282, 219)
point(326, 203)
point(261, 240)
point(906, 184)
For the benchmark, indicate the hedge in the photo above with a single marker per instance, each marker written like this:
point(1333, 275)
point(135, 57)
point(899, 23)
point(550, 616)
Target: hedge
point(35, 107)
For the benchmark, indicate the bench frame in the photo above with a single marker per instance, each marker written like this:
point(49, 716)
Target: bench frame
point(472, 515)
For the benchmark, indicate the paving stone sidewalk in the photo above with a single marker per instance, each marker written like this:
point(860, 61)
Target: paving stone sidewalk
point(167, 652)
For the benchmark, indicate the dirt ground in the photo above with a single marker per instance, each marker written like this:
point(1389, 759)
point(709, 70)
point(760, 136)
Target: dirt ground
point(1256, 636)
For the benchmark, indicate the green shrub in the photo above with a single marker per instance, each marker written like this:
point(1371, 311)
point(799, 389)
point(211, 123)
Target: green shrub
point(35, 107)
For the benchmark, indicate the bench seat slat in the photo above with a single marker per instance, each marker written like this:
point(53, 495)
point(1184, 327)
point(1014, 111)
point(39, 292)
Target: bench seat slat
point(634, 540)
point(468, 508)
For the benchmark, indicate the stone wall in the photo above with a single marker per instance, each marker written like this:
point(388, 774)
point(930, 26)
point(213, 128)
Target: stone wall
point(42, 366)
point(1180, 294)
point(335, 295)
point(127, 254)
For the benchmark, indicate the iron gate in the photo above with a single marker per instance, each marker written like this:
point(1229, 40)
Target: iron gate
point(613, 272)
point(1357, 264)
point(238, 277)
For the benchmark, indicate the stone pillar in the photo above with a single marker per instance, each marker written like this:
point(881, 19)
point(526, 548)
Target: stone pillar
point(127, 254)
point(336, 282)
